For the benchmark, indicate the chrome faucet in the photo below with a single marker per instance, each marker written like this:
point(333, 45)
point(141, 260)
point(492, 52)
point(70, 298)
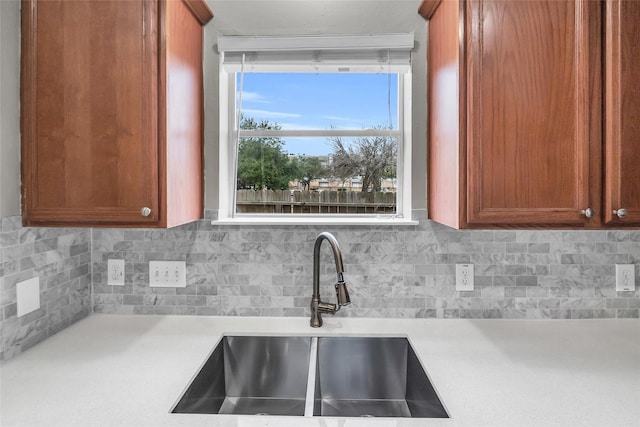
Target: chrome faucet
point(317, 305)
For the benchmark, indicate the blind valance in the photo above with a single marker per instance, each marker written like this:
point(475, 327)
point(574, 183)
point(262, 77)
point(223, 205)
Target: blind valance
point(379, 53)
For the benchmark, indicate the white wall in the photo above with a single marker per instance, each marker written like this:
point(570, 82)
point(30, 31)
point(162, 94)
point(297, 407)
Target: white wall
point(9, 108)
point(310, 17)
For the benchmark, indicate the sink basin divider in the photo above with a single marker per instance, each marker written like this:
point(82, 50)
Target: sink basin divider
point(311, 378)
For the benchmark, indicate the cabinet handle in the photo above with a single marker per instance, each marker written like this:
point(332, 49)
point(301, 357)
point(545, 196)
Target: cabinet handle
point(622, 212)
point(145, 211)
point(588, 212)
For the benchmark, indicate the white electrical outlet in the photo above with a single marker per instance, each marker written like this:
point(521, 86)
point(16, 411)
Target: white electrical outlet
point(464, 277)
point(167, 274)
point(115, 272)
point(625, 277)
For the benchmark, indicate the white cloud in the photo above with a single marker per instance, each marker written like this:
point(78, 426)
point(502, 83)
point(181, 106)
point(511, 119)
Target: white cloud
point(341, 119)
point(254, 97)
point(270, 114)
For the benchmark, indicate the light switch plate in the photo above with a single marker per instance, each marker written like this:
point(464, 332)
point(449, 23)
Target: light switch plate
point(464, 277)
point(28, 296)
point(167, 274)
point(625, 277)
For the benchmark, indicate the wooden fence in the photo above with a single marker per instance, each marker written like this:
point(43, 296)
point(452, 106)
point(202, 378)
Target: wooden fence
point(296, 202)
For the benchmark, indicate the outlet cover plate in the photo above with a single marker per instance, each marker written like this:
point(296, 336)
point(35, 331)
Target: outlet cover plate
point(115, 272)
point(625, 277)
point(464, 277)
point(27, 296)
point(167, 274)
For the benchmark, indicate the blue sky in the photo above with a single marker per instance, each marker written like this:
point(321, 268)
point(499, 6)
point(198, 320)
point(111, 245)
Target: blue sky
point(319, 101)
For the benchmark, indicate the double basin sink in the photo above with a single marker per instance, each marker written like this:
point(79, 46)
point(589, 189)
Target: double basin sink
point(312, 376)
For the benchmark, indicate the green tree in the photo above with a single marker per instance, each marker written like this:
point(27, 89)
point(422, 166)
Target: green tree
point(261, 162)
point(373, 158)
point(308, 169)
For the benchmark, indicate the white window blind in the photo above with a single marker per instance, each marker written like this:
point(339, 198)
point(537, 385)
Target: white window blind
point(386, 53)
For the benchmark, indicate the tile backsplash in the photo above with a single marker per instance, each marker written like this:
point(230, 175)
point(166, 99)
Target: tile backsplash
point(61, 258)
point(391, 271)
point(399, 271)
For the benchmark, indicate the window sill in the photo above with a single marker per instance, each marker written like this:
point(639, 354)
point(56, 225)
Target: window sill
point(314, 220)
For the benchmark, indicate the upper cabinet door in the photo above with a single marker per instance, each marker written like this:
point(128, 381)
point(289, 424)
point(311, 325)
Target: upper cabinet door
point(622, 112)
point(89, 112)
point(533, 93)
point(112, 112)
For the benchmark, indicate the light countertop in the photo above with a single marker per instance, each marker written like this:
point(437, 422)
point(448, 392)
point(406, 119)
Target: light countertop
point(112, 370)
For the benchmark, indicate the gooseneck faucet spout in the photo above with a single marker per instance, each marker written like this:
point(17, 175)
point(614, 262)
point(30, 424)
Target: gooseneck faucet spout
point(317, 305)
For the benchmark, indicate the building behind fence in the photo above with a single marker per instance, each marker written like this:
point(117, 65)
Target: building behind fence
point(297, 202)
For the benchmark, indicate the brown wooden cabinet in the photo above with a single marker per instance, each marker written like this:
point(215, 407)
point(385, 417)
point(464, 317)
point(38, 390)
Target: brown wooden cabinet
point(112, 112)
point(515, 117)
point(622, 112)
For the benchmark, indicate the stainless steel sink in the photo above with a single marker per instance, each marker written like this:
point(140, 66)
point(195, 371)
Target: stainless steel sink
point(251, 375)
point(372, 376)
point(313, 376)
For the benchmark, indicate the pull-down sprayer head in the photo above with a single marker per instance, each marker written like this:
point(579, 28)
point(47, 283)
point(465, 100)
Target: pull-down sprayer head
point(342, 294)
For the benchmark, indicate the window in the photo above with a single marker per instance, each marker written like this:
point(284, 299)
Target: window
point(315, 132)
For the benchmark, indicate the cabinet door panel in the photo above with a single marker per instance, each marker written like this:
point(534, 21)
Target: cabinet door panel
point(445, 134)
point(530, 82)
point(183, 100)
point(89, 119)
point(622, 120)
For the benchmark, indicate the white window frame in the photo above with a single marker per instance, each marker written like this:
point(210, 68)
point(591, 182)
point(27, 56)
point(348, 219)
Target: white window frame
point(227, 150)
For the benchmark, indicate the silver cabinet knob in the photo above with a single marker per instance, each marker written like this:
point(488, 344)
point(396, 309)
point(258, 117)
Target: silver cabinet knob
point(588, 212)
point(145, 211)
point(622, 212)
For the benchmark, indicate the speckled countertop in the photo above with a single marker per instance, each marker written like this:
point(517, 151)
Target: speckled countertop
point(112, 370)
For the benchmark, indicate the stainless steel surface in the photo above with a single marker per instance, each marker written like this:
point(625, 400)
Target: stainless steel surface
point(145, 211)
point(313, 376)
point(365, 408)
point(622, 212)
point(342, 294)
point(262, 406)
point(372, 376)
point(317, 305)
point(251, 375)
point(588, 212)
